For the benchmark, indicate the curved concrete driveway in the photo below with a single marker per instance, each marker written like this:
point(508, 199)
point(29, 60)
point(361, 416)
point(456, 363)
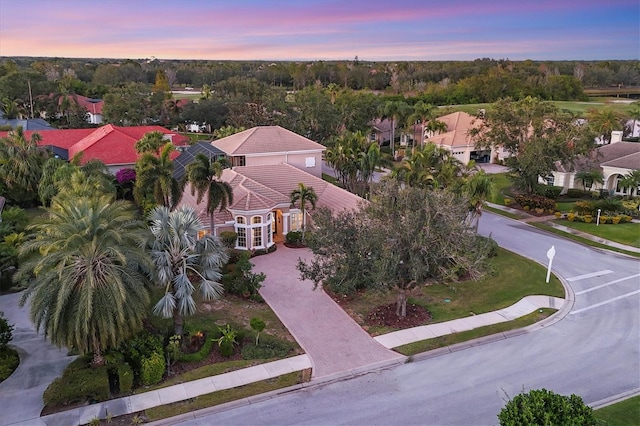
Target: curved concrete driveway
point(335, 343)
point(40, 363)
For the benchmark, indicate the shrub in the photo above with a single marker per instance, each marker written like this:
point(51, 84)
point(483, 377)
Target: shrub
point(152, 369)
point(625, 218)
point(526, 208)
point(575, 193)
point(610, 205)
point(125, 377)
point(543, 407)
point(584, 207)
point(239, 279)
point(294, 237)
point(229, 238)
point(616, 220)
point(201, 354)
point(143, 345)
point(6, 332)
point(588, 218)
point(270, 347)
point(605, 219)
point(14, 219)
point(257, 325)
point(508, 201)
point(571, 217)
point(558, 215)
point(9, 361)
point(535, 201)
point(549, 191)
point(79, 383)
point(226, 340)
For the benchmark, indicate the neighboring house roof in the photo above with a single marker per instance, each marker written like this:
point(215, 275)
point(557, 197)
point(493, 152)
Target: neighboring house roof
point(93, 106)
point(110, 144)
point(624, 155)
point(26, 124)
point(265, 139)
point(268, 187)
point(458, 126)
point(188, 155)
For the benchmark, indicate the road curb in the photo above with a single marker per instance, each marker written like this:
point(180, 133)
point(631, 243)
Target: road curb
point(615, 399)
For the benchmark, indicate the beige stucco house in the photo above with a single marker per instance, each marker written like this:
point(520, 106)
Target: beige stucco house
point(275, 162)
point(458, 140)
point(614, 160)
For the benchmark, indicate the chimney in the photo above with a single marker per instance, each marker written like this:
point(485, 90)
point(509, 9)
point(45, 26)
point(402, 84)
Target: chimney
point(616, 136)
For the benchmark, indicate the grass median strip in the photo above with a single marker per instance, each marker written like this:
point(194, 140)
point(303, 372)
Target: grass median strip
point(624, 413)
point(451, 339)
point(221, 397)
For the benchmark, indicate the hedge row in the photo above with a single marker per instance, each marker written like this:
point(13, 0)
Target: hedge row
point(535, 202)
point(573, 217)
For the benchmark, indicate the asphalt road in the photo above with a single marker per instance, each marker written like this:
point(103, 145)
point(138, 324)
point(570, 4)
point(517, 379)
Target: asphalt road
point(594, 351)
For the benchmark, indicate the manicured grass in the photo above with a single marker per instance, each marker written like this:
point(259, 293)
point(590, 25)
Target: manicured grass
point(503, 213)
point(581, 240)
point(501, 187)
point(442, 341)
point(220, 397)
point(623, 233)
point(573, 106)
point(514, 277)
point(625, 413)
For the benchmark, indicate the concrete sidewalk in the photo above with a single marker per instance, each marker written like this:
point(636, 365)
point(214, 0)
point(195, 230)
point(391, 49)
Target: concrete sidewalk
point(183, 391)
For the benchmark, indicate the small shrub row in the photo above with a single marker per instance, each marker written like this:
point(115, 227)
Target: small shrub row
point(125, 377)
point(294, 237)
point(574, 217)
point(535, 202)
point(548, 191)
point(201, 354)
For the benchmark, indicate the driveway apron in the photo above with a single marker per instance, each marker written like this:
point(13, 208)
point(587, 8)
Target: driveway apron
point(331, 338)
point(40, 363)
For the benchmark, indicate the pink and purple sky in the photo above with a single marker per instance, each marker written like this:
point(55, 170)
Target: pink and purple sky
point(322, 29)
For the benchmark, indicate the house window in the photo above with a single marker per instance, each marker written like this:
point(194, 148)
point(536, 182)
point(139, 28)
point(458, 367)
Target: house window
point(238, 161)
point(241, 230)
point(270, 225)
point(257, 237)
point(550, 179)
point(310, 162)
point(296, 221)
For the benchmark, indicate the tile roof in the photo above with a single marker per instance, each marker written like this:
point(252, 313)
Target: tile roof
point(93, 106)
point(110, 144)
point(265, 139)
point(625, 155)
point(458, 126)
point(268, 187)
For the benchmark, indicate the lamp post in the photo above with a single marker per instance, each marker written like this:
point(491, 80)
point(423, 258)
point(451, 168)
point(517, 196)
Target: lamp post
point(598, 218)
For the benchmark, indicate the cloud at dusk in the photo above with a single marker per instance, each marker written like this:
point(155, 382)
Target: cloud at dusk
point(321, 29)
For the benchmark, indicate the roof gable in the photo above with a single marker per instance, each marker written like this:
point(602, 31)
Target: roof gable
point(264, 140)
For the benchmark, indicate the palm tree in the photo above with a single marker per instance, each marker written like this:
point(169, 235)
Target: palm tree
point(435, 127)
point(89, 272)
point(634, 112)
point(303, 195)
point(422, 112)
point(204, 176)
point(604, 121)
point(183, 261)
point(478, 188)
point(631, 181)
point(151, 142)
point(396, 111)
point(154, 177)
point(589, 177)
point(21, 162)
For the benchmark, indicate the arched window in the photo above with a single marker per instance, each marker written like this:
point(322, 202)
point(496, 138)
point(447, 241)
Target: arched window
point(270, 228)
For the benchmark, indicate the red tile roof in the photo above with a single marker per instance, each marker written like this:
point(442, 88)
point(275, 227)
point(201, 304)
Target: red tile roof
point(113, 145)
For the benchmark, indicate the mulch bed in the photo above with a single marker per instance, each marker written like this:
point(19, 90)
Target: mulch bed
point(385, 315)
point(295, 245)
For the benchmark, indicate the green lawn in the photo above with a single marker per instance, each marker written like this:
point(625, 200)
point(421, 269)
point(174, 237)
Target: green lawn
point(573, 106)
point(623, 233)
point(514, 277)
point(565, 206)
point(501, 188)
point(625, 413)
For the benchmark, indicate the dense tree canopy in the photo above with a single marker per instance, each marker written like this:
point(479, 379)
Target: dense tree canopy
point(405, 237)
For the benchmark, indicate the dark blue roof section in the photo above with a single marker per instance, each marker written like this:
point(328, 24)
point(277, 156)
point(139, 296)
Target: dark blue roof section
point(26, 124)
point(188, 155)
point(60, 153)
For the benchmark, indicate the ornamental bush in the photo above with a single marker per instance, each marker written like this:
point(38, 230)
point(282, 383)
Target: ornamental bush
point(543, 407)
point(152, 369)
point(79, 383)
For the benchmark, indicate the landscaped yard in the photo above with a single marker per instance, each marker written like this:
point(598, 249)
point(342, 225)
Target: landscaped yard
point(514, 277)
point(623, 233)
point(501, 188)
point(625, 413)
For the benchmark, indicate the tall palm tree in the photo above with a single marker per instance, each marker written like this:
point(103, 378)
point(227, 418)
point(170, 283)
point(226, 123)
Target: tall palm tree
point(435, 127)
point(21, 162)
point(204, 176)
point(396, 111)
point(182, 262)
point(478, 188)
point(154, 177)
point(89, 272)
point(604, 121)
point(303, 195)
point(422, 112)
point(151, 142)
point(634, 112)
